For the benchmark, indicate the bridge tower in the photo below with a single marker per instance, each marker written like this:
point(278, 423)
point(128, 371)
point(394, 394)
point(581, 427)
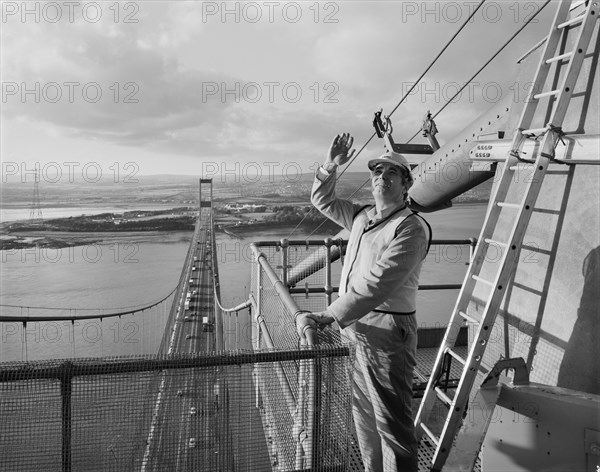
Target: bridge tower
point(205, 198)
point(36, 208)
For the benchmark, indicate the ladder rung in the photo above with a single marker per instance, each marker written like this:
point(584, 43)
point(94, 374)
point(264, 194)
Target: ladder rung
point(534, 131)
point(559, 58)
point(497, 243)
point(431, 436)
point(537, 96)
point(526, 163)
point(479, 279)
point(539, 250)
point(508, 205)
point(468, 318)
point(539, 293)
point(572, 21)
point(456, 356)
point(442, 396)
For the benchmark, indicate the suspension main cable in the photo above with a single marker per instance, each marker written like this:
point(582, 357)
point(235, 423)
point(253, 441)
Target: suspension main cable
point(483, 67)
point(448, 43)
point(74, 318)
point(453, 97)
point(58, 308)
point(431, 64)
point(337, 179)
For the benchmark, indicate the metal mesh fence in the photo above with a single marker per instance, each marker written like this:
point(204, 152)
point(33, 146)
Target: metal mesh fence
point(322, 405)
point(309, 290)
point(30, 429)
point(200, 412)
point(278, 319)
point(284, 408)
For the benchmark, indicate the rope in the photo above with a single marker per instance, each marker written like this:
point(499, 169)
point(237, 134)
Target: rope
point(484, 66)
point(420, 77)
point(447, 102)
point(28, 318)
point(392, 112)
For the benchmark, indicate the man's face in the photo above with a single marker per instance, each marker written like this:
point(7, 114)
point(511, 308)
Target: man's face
point(387, 182)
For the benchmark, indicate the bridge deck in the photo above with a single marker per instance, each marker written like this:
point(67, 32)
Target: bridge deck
point(193, 410)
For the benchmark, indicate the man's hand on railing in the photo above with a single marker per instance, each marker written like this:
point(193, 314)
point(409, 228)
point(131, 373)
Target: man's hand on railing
point(306, 320)
point(322, 318)
point(303, 323)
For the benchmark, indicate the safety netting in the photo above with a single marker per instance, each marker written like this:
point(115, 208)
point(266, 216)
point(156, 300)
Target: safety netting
point(306, 276)
point(203, 412)
point(288, 277)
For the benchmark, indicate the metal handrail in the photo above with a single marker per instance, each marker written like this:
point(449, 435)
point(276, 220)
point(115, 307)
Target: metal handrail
point(309, 372)
point(331, 250)
point(282, 291)
point(326, 251)
point(67, 370)
point(321, 242)
point(37, 370)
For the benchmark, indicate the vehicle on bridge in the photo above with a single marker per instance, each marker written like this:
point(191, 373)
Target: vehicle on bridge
point(207, 326)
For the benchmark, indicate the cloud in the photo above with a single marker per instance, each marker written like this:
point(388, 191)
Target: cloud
point(176, 84)
point(107, 85)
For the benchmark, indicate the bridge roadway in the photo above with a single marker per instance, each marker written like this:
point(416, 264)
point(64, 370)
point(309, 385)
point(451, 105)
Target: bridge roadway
point(188, 427)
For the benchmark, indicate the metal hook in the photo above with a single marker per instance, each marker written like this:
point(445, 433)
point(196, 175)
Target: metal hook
point(388, 125)
point(429, 128)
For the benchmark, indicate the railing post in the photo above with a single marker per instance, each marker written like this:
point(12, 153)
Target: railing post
point(66, 388)
point(256, 327)
point(299, 429)
point(328, 286)
point(315, 391)
point(284, 261)
point(309, 377)
point(257, 334)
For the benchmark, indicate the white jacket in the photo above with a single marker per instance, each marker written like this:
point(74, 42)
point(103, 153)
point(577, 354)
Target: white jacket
point(383, 259)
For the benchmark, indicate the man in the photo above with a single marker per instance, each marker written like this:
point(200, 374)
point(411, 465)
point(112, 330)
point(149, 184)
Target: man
point(377, 301)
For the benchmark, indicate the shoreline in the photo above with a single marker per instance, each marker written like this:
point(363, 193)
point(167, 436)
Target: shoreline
point(56, 239)
point(63, 239)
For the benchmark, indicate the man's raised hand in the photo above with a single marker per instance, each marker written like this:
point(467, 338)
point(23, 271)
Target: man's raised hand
point(340, 150)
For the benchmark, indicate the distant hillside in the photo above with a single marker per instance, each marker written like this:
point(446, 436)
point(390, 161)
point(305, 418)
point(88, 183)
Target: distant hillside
point(183, 190)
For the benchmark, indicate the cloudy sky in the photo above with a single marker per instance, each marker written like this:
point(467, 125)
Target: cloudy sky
point(181, 87)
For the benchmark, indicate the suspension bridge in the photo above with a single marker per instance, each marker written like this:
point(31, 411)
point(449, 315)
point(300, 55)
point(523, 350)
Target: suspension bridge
point(195, 406)
point(284, 406)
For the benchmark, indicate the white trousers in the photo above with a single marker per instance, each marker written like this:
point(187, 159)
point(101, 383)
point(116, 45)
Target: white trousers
point(382, 390)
